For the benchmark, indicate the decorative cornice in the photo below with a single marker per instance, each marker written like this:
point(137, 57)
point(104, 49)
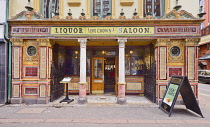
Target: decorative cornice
point(17, 42)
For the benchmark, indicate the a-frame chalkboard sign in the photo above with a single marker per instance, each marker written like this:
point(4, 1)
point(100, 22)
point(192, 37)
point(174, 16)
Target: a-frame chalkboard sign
point(179, 84)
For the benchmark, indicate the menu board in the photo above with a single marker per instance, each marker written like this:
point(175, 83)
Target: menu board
point(179, 84)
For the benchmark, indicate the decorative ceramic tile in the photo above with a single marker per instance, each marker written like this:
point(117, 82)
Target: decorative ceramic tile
point(134, 86)
point(16, 91)
point(43, 62)
point(42, 89)
point(162, 62)
point(16, 65)
point(162, 91)
point(30, 91)
point(31, 71)
point(175, 71)
point(191, 62)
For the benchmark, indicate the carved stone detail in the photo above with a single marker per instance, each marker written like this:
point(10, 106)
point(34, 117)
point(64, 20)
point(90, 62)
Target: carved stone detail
point(122, 17)
point(82, 42)
point(69, 17)
point(122, 42)
point(17, 42)
point(135, 17)
point(82, 18)
point(192, 41)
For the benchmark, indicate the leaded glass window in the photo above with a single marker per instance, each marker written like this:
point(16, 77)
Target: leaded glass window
point(102, 8)
point(154, 8)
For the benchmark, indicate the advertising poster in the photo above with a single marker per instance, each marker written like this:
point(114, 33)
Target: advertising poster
point(170, 95)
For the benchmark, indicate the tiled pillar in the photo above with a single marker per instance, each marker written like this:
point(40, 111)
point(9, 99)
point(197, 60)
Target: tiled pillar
point(121, 83)
point(83, 83)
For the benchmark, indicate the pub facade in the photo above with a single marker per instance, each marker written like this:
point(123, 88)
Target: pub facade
point(119, 55)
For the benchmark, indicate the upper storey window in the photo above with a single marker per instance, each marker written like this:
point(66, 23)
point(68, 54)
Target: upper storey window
point(102, 8)
point(154, 8)
point(50, 7)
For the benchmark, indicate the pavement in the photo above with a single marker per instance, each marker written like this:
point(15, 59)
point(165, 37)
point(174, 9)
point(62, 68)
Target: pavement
point(101, 110)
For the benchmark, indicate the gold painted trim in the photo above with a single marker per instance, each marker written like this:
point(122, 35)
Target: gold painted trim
point(83, 83)
point(74, 3)
point(121, 83)
point(176, 64)
point(17, 42)
point(97, 92)
point(126, 2)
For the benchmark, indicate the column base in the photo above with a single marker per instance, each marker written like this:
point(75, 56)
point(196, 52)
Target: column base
point(121, 101)
point(82, 100)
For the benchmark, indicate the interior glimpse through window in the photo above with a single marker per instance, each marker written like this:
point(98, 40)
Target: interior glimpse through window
point(102, 8)
point(153, 7)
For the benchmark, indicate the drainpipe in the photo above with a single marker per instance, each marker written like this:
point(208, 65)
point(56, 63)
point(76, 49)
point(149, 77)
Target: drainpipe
point(6, 35)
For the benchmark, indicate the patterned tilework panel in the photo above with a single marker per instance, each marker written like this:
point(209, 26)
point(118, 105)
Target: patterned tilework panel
point(190, 61)
point(30, 91)
point(31, 71)
point(134, 86)
point(42, 90)
point(74, 84)
point(162, 62)
point(16, 58)
point(175, 71)
point(16, 91)
point(43, 62)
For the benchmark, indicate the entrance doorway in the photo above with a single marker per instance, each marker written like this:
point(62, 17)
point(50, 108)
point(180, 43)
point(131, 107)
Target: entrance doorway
point(109, 74)
point(103, 75)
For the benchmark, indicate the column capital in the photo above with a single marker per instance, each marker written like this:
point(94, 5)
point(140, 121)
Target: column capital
point(192, 41)
point(161, 42)
point(83, 42)
point(121, 42)
point(45, 42)
point(17, 42)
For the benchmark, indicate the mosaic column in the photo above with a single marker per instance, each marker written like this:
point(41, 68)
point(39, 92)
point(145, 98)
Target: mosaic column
point(16, 71)
point(121, 83)
point(83, 83)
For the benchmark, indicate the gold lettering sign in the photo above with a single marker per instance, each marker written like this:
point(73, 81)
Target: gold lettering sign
point(94, 31)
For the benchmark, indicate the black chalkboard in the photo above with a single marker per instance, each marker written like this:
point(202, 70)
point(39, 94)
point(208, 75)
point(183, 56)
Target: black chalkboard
point(179, 84)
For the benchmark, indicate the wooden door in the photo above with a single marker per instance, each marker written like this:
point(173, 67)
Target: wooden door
point(97, 75)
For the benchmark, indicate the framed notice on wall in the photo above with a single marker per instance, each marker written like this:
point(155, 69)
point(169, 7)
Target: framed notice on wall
point(179, 84)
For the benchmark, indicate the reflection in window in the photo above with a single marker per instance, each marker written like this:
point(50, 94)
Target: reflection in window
point(50, 7)
point(98, 69)
point(101, 8)
point(155, 7)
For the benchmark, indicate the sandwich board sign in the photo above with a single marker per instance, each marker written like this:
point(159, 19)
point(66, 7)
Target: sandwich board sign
point(179, 84)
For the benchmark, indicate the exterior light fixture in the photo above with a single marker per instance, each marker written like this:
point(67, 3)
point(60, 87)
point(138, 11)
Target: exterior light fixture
point(122, 13)
point(201, 14)
point(70, 14)
point(76, 52)
point(135, 13)
point(83, 14)
point(29, 8)
point(177, 7)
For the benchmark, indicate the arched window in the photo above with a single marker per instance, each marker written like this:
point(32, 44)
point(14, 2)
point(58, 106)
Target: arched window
point(102, 8)
point(154, 8)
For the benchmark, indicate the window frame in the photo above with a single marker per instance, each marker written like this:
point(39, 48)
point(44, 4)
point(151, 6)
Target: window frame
point(162, 4)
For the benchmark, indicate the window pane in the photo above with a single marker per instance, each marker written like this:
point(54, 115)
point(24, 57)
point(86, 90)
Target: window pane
point(72, 60)
point(127, 65)
point(98, 69)
point(50, 7)
point(101, 7)
point(136, 66)
point(153, 6)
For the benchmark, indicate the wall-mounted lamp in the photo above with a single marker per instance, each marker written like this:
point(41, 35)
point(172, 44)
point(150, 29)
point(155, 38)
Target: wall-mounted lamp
point(135, 13)
point(70, 14)
point(122, 13)
point(29, 8)
point(83, 14)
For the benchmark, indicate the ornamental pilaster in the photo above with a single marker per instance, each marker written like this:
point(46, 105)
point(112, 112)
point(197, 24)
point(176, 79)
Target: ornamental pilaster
point(45, 42)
